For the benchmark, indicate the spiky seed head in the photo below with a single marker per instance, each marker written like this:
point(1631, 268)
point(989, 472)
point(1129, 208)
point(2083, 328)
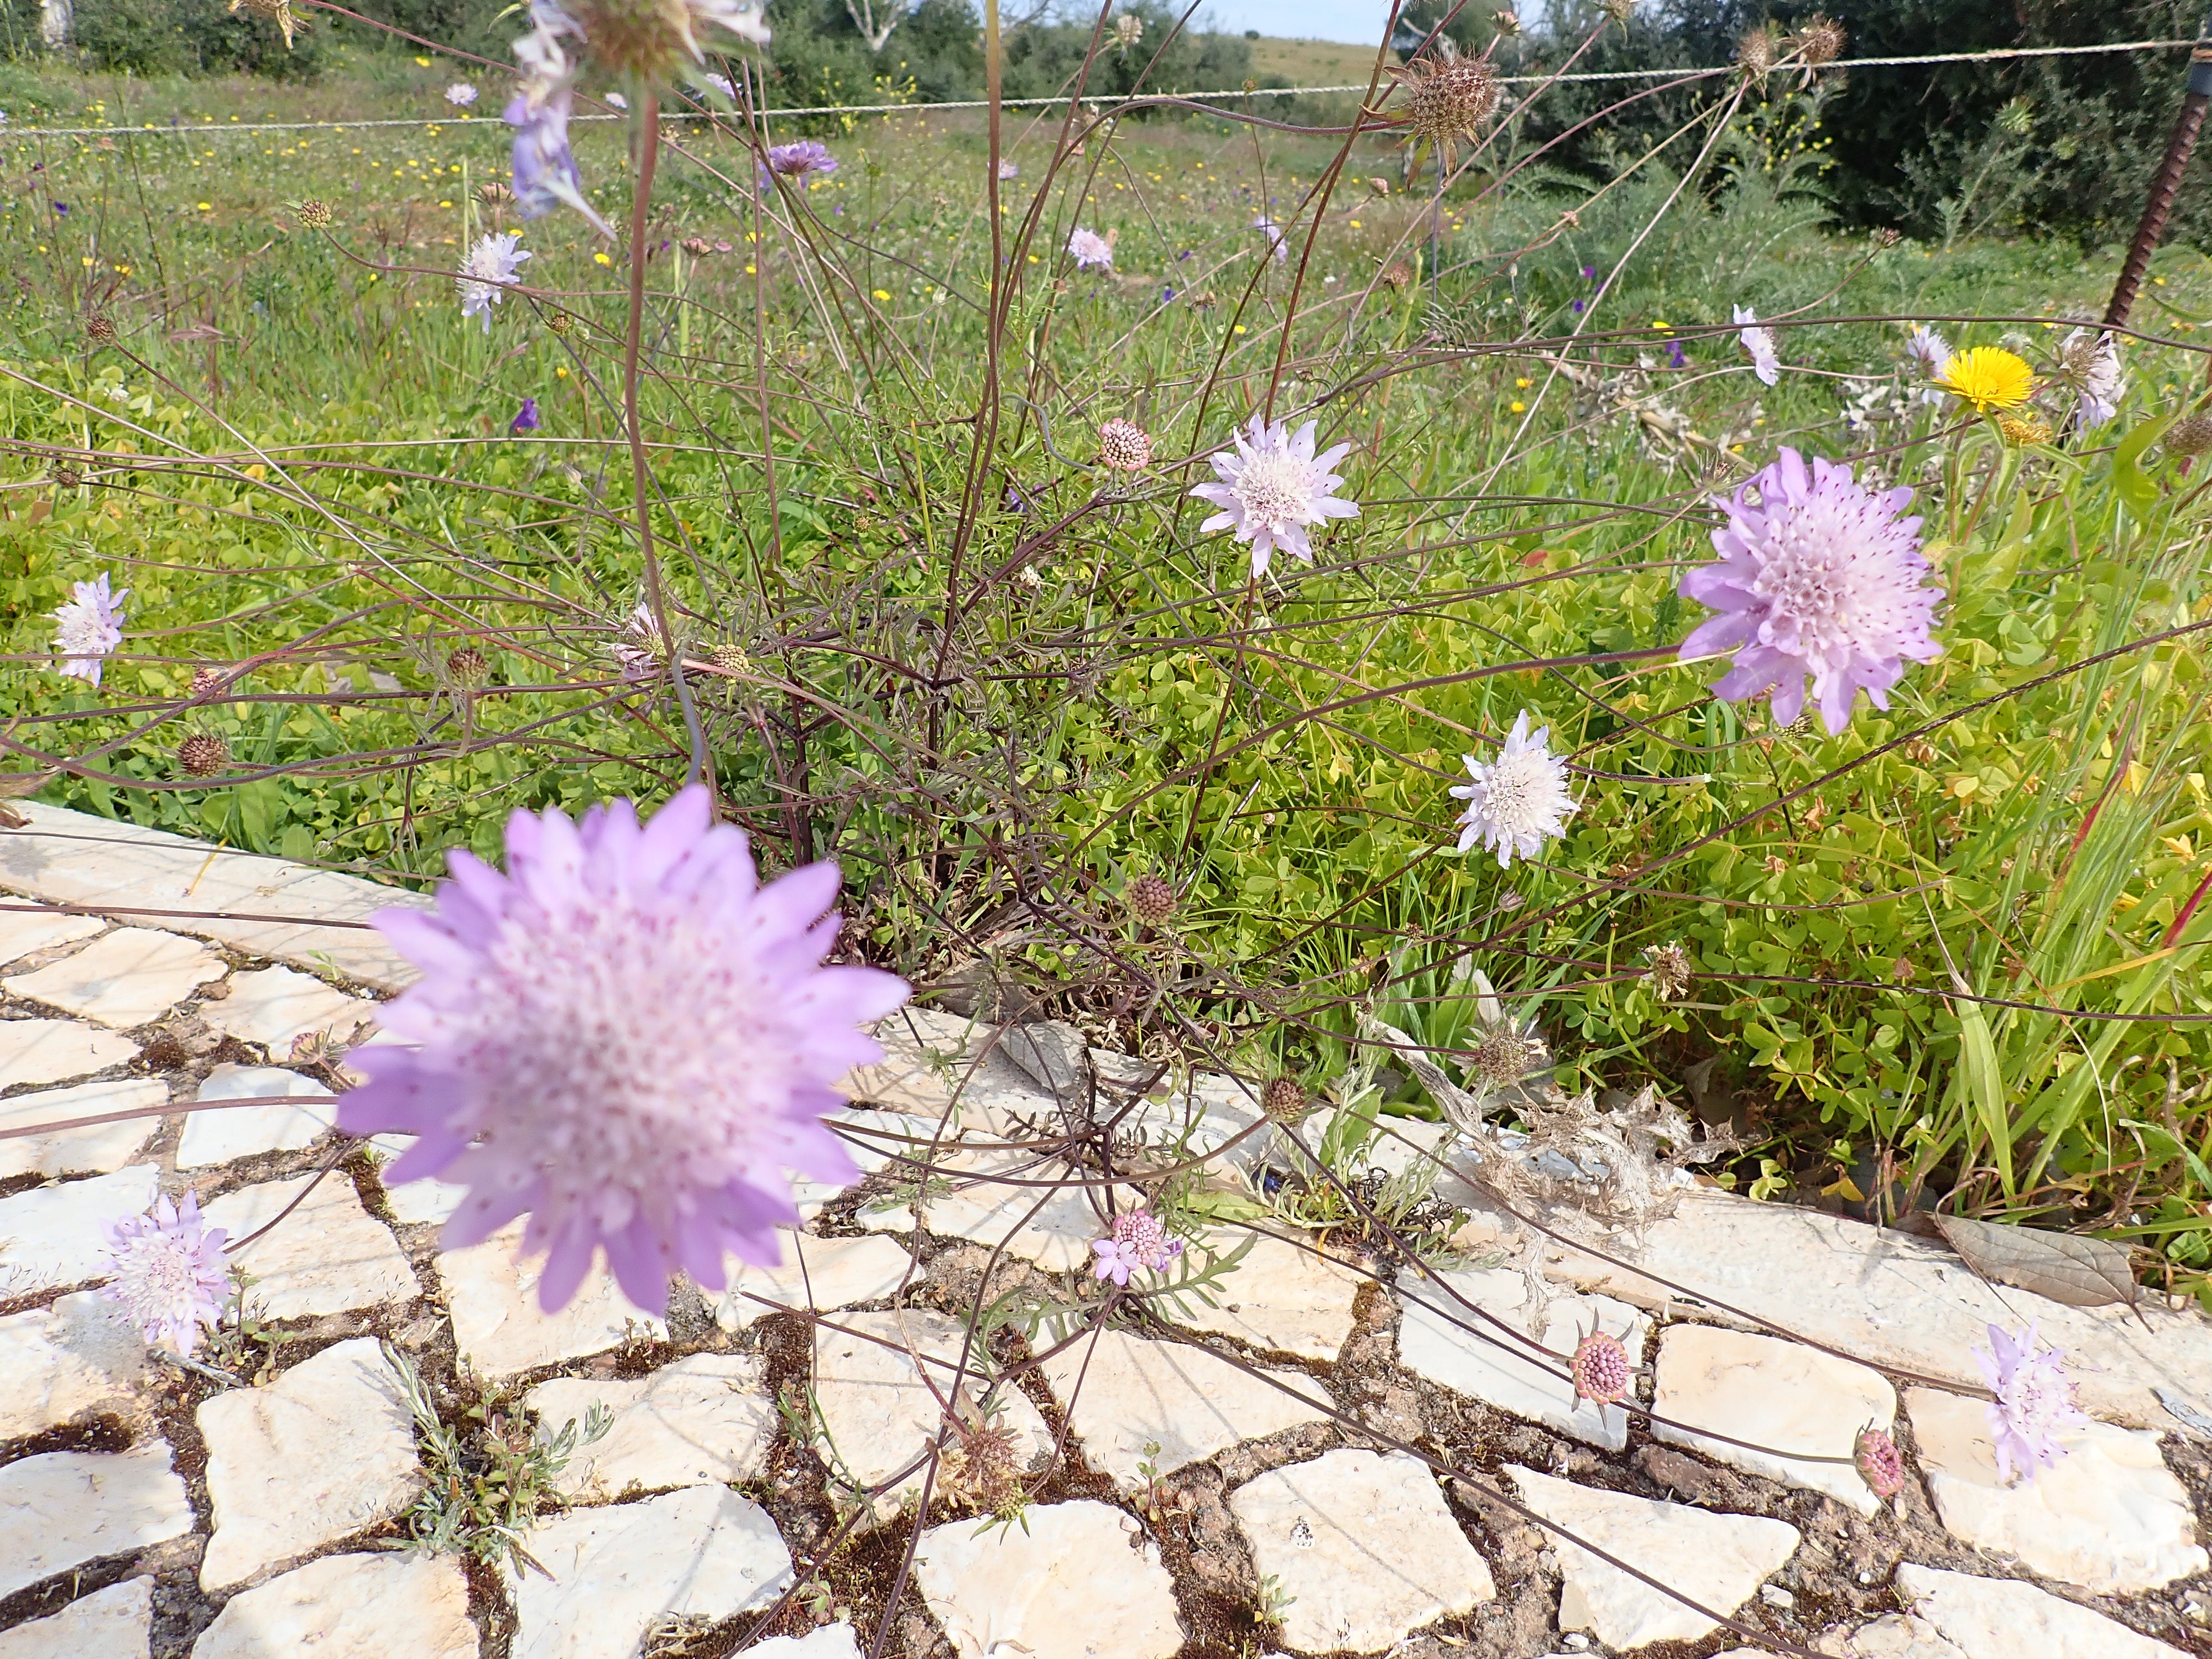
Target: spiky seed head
point(279, 12)
point(67, 477)
point(207, 680)
point(1284, 1099)
point(1879, 1465)
point(1504, 1058)
point(560, 322)
point(1755, 53)
point(313, 214)
point(1619, 10)
point(982, 1465)
point(731, 658)
point(467, 666)
point(1820, 41)
point(1124, 446)
point(2189, 435)
point(1601, 1370)
point(1446, 96)
point(1398, 274)
point(101, 331)
point(1150, 899)
point(494, 194)
point(1669, 971)
point(203, 755)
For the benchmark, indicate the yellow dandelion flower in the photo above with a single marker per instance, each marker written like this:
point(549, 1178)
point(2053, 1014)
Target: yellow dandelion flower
point(1988, 377)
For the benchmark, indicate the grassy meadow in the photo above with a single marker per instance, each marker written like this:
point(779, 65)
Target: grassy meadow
point(997, 690)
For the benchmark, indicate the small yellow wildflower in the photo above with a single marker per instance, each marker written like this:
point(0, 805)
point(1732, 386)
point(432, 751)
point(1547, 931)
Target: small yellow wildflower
point(1524, 383)
point(883, 294)
point(1988, 377)
point(601, 260)
point(1518, 407)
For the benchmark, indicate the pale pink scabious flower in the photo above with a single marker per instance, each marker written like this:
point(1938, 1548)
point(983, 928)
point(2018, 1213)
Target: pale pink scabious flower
point(88, 627)
point(1278, 244)
point(626, 1036)
point(1929, 349)
point(1008, 169)
point(1759, 343)
point(1518, 801)
point(1274, 489)
point(1090, 251)
point(1819, 582)
point(1137, 1240)
point(494, 264)
point(168, 1272)
point(2034, 1401)
point(460, 95)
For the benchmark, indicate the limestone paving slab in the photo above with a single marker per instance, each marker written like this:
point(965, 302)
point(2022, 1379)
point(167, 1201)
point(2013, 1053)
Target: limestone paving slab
point(1001, 1198)
point(1893, 1636)
point(873, 1412)
point(327, 1256)
point(1123, 1393)
point(1364, 1547)
point(236, 1132)
point(1282, 1296)
point(2109, 1517)
point(52, 1235)
point(56, 1364)
point(272, 1006)
point(425, 1200)
point(497, 1323)
point(349, 1606)
point(1783, 1397)
point(837, 1641)
point(124, 978)
point(707, 1418)
point(2005, 1619)
point(97, 1149)
point(324, 1450)
point(1074, 1583)
point(821, 1274)
point(1496, 1362)
point(1717, 1561)
point(701, 1552)
point(63, 1509)
point(943, 1067)
point(23, 931)
point(115, 1623)
point(56, 1050)
point(1893, 1300)
point(78, 858)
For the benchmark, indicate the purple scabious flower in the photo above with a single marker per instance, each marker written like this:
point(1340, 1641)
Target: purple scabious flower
point(1517, 802)
point(1278, 244)
point(1008, 169)
point(1759, 343)
point(1090, 251)
point(1273, 488)
point(797, 161)
point(1136, 1240)
point(1819, 580)
point(626, 1036)
point(1676, 357)
point(494, 264)
point(525, 418)
point(167, 1270)
point(88, 627)
point(2034, 1401)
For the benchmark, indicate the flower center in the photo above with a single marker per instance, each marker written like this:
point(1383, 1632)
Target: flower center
point(1817, 585)
point(1519, 788)
point(1273, 489)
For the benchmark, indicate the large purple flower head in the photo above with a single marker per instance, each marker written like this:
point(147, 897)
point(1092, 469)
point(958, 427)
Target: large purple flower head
point(627, 1038)
point(88, 627)
point(1818, 581)
point(2034, 1401)
point(799, 161)
point(1274, 489)
point(167, 1270)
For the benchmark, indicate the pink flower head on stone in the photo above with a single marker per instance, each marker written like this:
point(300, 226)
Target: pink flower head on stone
point(1601, 1369)
point(1137, 1240)
point(626, 1036)
point(1274, 489)
point(1818, 581)
point(88, 627)
point(1759, 343)
point(1090, 251)
point(168, 1271)
point(1875, 1455)
point(2034, 1401)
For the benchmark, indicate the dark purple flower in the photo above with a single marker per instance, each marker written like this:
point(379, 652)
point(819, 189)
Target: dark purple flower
point(626, 1037)
point(1589, 273)
point(1578, 308)
point(1675, 359)
point(1167, 296)
point(799, 161)
point(62, 208)
point(525, 418)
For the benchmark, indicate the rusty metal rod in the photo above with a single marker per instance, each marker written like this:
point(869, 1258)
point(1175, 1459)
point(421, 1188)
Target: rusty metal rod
point(2165, 182)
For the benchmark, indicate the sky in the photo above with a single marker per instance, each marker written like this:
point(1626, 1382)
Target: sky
point(1358, 22)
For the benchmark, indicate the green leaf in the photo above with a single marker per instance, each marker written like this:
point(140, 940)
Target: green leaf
point(2128, 478)
point(1984, 1085)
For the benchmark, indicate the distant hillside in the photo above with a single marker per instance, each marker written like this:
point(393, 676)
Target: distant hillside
point(1312, 63)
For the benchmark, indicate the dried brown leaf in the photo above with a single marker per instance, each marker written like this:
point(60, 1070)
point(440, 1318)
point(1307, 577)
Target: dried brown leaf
point(2082, 1272)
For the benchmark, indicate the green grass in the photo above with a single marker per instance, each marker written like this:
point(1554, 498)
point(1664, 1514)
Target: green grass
point(1004, 696)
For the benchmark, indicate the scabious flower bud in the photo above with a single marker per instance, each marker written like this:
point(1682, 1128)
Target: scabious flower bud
point(1150, 899)
point(1601, 1370)
point(207, 680)
point(731, 657)
point(466, 665)
point(101, 331)
point(1879, 1464)
point(2189, 435)
point(203, 755)
point(1284, 1099)
point(1124, 446)
point(312, 214)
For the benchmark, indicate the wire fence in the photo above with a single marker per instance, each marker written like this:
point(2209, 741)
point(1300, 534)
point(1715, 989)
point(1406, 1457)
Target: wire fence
point(176, 127)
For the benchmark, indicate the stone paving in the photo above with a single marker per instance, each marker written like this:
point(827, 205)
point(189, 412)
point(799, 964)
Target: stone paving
point(1341, 1454)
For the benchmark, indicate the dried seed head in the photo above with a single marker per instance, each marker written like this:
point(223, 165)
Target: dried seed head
point(1504, 1059)
point(279, 12)
point(1124, 446)
point(1879, 1465)
point(1446, 96)
point(1756, 52)
point(560, 322)
point(494, 194)
point(1619, 10)
point(1284, 1099)
point(1902, 972)
point(1398, 274)
point(313, 214)
point(207, 680)
point(203, 755)
point(101, 331)
point(1669, 971)
point(2189, 435)
point(467, 666)
point(982, 1465)
point(1601, 1370)
point(1150, 899)
point(1820, 41)
point(730, 657)
point(67, 477)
